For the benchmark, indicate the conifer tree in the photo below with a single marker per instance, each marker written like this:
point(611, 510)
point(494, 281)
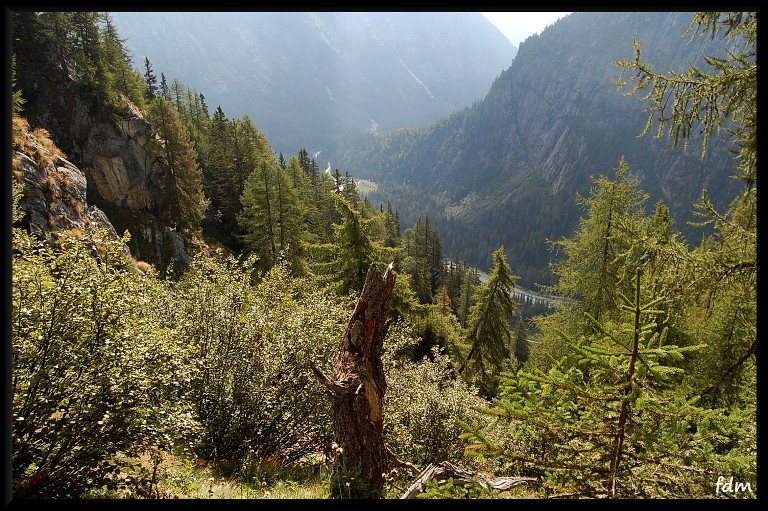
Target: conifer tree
point(392, 230)
point(218, 171)
point(271, 218)
point(469, 281)
point(489, 335)
point(182, 176)
point(592, 271)
point(599, 261)
point(681, 102)
point(522, 348)
point(17, 100)
point(423, 259)
point(721, 273)
point(443, 301)
point(177, 96)
point(150, 79)
point(344, 262)
point(123, 77)
point(619, 423)
point(165, 91)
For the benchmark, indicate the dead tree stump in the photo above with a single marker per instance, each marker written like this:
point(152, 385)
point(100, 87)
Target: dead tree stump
point(357, 389)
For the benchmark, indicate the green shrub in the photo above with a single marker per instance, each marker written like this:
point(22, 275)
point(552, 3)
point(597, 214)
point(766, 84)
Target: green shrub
point(95, 371)
point(347, 484)
point(421, 408)
point(256, 394)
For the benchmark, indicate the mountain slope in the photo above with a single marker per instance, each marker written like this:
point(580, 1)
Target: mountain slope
point(305, 76)
point(506, 170)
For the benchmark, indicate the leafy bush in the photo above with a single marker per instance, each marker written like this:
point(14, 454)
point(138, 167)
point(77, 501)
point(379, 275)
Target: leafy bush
point(95, 370)
point(255, 394)
point(347, 484)
point(421, 408)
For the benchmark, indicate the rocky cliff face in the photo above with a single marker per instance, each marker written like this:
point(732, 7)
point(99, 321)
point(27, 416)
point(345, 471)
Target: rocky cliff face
point(54, 191)
point(508, 170)
point(121, 166)
point(114, 168)
point(120, 161)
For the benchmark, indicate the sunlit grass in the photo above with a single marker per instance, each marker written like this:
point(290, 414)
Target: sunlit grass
point(178, 478)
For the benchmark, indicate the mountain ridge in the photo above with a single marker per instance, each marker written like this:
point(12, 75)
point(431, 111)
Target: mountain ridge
point(299, 74)
point(556, 115)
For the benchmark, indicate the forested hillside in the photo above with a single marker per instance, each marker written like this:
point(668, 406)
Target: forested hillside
point(191, 309)
point(507, 169)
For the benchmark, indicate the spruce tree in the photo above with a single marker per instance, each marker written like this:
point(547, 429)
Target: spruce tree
point(621, 422)
point(488, 334)
point(150, 79)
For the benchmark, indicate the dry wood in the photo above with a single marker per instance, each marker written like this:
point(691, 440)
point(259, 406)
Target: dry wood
point(444, 471)
point(358, 386)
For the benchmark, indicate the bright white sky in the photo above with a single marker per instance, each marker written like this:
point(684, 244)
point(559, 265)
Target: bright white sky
point(518, 26)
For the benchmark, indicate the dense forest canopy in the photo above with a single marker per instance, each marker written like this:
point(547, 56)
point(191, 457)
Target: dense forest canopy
point(639, 383)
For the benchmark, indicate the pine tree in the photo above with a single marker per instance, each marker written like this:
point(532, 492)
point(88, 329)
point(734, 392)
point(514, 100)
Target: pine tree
point(182, 179)
point(620, 423)
point(271, 217)
point(489, 335)
point(591, 273)
point(150, 80)
point(177, 96)
point(423, 259)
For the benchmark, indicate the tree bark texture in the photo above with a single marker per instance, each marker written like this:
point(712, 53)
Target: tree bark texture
point(357, 389)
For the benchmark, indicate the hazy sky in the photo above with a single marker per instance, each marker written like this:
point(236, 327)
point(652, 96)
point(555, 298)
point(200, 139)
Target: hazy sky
point(517, 26)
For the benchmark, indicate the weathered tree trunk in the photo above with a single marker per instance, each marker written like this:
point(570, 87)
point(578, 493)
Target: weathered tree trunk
point(357, 390)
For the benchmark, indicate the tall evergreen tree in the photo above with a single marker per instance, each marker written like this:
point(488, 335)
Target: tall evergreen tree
point(17, 100)
point(271, 218)
point(470, 279)
point(592, 271)
point(165, 91)
point(344, 263)
point(721, 273)
point(489, 335)
point(423, 259)
point(619, 423)
point(182, 176)
point(150, 80)
point(124, 77)
point(218, 171)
